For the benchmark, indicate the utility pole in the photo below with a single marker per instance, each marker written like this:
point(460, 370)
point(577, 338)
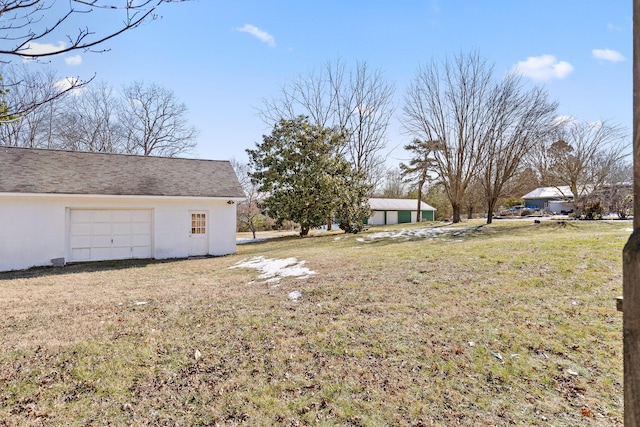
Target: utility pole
point(631, 257)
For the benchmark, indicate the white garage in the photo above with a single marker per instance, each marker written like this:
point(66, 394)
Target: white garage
point(64, 206)
point(398, 211)
point(104, 234)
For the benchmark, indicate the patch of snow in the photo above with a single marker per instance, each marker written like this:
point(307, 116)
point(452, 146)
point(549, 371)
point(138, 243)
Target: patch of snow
point(141, 303)
point(275, 269)
point(421, 233)
point(295, 295)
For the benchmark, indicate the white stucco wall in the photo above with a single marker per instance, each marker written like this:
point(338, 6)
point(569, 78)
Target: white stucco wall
point(34, 228)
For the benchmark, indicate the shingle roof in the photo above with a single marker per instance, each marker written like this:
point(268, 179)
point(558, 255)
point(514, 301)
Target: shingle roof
point(377, 204)
point(28, 170)
point(560, 192)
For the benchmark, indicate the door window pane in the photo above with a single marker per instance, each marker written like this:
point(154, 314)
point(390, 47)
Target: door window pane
point(198, 223)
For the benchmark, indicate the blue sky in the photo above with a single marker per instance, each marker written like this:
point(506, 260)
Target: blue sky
point(222, 58)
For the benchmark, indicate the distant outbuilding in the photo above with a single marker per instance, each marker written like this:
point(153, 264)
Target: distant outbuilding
point(68, 206)
point(552, 199)
point(398, 211)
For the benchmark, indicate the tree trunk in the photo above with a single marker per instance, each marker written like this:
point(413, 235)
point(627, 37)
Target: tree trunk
point(491, 205)
point(631, 257)
point(631, 329)
point(304, 230)
point(456, 213)
point(252, 227)
point(470, 212)
point(419, 214)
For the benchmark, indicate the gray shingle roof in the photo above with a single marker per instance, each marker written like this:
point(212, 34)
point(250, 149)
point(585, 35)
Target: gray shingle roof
point(28, 170)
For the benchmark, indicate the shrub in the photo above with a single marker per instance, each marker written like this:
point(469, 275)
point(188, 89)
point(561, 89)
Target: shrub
point(593, 210)
point(511, 202)
point(625, 207)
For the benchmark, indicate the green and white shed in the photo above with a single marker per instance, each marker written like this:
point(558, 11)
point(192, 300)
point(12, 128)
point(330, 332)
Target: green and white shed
point(398, 211)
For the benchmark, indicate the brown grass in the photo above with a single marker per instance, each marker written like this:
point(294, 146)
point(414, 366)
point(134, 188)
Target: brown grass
point(509, 324)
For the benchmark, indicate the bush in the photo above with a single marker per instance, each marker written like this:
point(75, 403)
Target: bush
point(525, 212)
point(624, 208)
point(511, 202)
point(593, 210)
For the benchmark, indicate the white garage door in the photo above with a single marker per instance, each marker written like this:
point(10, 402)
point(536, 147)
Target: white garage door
point(377, 218)
point(392, 217)
point(98, 235)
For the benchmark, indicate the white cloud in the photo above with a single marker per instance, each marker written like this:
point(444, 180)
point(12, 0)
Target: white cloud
point(73, 60)
point(66, 83)
point(544, 68)
point(263, 36)
point(614, 28)
point(42, 48)
point(607, 55)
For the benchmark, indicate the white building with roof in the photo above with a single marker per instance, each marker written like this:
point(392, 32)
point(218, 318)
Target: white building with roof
point(553, 199)
point(398, 211)
point(68, 206)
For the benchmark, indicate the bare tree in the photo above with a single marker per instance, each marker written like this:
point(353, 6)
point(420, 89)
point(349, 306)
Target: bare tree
point(248, 210)
point(525, 181)
point(449, 102)
point(89, 121)
point(27, 25)
point(395, 186)
point(357, 101)
point(617, 194)
point(144, 119)
point(518, 120)
point(24, 91)
point(474, 197)
point(154, 121)
point(582, 156)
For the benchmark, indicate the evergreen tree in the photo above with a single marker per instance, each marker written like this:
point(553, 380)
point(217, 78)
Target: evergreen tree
point(300, 170)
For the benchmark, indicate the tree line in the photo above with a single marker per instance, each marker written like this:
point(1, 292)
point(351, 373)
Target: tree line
point(476, 139)
point(27, 25)
point(139, 118)
point(474, 135)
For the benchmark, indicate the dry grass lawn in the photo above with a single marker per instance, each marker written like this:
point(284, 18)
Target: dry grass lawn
point(508, 324)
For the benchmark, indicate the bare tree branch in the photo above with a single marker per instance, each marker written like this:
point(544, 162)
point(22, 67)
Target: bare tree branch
point(356, 101)
point(154, 121)
point(27, 24)
point(448, 103)
point(582, 156)
point(519, 119)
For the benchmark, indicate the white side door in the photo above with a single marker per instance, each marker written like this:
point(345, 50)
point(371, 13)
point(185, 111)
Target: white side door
point(199, 233)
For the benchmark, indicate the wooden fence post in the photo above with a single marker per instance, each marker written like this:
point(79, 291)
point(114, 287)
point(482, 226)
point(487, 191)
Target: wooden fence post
point(631, 257)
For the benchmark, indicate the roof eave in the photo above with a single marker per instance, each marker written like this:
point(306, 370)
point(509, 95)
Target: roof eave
point(121, 196)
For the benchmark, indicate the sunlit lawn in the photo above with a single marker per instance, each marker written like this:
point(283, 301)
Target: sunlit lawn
point(508, 324)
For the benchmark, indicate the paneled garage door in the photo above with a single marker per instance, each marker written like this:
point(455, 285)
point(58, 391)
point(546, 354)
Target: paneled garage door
point(98, 235)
